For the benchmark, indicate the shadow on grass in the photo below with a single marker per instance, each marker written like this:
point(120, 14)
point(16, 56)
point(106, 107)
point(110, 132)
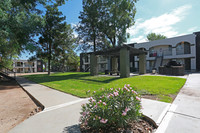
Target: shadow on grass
point(84, 77)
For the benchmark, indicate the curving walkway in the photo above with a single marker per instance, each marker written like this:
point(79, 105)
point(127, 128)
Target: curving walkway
point(184, 113)
point(61, 112)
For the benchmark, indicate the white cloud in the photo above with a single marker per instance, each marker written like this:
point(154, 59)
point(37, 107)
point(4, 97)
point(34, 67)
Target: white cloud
point(162, 24)
point(138, 39)
point(193, 29)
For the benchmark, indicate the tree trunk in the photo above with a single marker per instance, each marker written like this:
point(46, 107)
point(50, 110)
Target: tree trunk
point(49, 60)
point(63, 66)
point(49, 66)
point(94, 41)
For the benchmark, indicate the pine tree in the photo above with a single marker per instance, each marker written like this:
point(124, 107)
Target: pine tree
point(54, 26)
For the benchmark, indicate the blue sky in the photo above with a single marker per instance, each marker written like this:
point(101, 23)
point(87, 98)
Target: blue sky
point(167, 17)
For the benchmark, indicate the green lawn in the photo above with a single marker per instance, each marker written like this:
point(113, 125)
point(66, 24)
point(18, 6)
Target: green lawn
point(77, 83)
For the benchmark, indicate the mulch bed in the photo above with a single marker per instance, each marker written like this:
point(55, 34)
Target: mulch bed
point(143, 125)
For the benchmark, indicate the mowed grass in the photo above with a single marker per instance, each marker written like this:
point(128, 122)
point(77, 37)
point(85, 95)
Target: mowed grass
point(77, 83)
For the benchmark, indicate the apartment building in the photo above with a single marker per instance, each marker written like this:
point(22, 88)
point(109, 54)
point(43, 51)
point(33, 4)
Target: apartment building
point(25, 66)
point(182, 49)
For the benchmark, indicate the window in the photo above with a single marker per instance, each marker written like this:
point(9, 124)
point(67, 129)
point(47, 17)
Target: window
point(102, 58)
point(86, 59)
point(183, 48)
point(39, 63)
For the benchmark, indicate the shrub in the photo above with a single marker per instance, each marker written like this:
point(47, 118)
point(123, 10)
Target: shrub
point(111, 109)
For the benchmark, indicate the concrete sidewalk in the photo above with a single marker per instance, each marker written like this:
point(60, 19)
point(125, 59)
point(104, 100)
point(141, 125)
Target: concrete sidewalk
point(184, 113)
point(62, 111)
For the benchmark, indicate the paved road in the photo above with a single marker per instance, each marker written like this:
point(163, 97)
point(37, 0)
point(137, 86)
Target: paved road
point(61, 113)
point(184, 113)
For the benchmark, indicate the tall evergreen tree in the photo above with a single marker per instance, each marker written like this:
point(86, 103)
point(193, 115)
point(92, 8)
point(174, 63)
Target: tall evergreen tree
point(65, 46)
point(53, 27)
point(88, 27)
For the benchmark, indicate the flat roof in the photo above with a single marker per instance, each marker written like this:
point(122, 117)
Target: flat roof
point(116, 51)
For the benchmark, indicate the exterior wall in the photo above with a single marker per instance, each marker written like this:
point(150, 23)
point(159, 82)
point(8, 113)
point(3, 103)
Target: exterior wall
point(168, 47)
point(24, 66)
point(169, 41)
point(172, 49)
point(39, 65)
point(102, 62)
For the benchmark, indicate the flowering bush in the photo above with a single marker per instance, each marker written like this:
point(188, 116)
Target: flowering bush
point(111, 109)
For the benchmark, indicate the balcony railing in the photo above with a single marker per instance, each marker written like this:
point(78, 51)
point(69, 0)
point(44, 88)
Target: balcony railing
point(164, 53)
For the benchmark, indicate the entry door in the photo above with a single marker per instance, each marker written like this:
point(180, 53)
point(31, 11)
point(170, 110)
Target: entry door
point(187, 64)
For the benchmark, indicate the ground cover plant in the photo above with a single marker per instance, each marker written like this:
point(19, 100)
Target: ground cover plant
point(77, 83)
point(112, 110)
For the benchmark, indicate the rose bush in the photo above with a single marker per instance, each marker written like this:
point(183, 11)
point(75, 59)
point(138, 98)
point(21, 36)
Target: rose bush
point(111, 109)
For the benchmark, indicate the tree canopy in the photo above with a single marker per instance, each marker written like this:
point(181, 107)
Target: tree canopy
point(52, 31)
point(20, 21)
point(104, 23)
point(154, 36)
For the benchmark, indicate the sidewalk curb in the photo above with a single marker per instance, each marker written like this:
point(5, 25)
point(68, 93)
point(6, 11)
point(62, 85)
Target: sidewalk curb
point(38, 103)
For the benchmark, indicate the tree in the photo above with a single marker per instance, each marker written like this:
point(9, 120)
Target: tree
point(115, 17)
point(88, 28)
point(20, 22)
point(65, 46)
point(53, 27)
point(106, 21)
point(154, 36)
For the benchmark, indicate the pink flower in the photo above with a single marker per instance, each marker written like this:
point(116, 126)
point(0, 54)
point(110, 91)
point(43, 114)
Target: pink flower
point(124, 113)
point(94, 91)
point(125, 88)
point(99, 117)
point(124, 85)
point(100, 102)
point(128, 85)
point(94, 119)
point(86, 123)
point(103, 120)
point(93, 100)
point(111, 88)
point(88, 91)
point(116, 93)
point(104, 103)
point(134, 92)
point(90, 98)
point(118, 88)
point(137, 98)
point(84, 114)
point(130, 88)
point(95, 106)
point(126, 109)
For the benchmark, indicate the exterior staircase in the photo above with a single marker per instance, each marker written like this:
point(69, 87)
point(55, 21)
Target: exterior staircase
point(158, 62)
point(7, 73)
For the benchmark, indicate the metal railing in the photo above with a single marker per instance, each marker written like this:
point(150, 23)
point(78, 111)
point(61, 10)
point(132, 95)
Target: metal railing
point(8, 72)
